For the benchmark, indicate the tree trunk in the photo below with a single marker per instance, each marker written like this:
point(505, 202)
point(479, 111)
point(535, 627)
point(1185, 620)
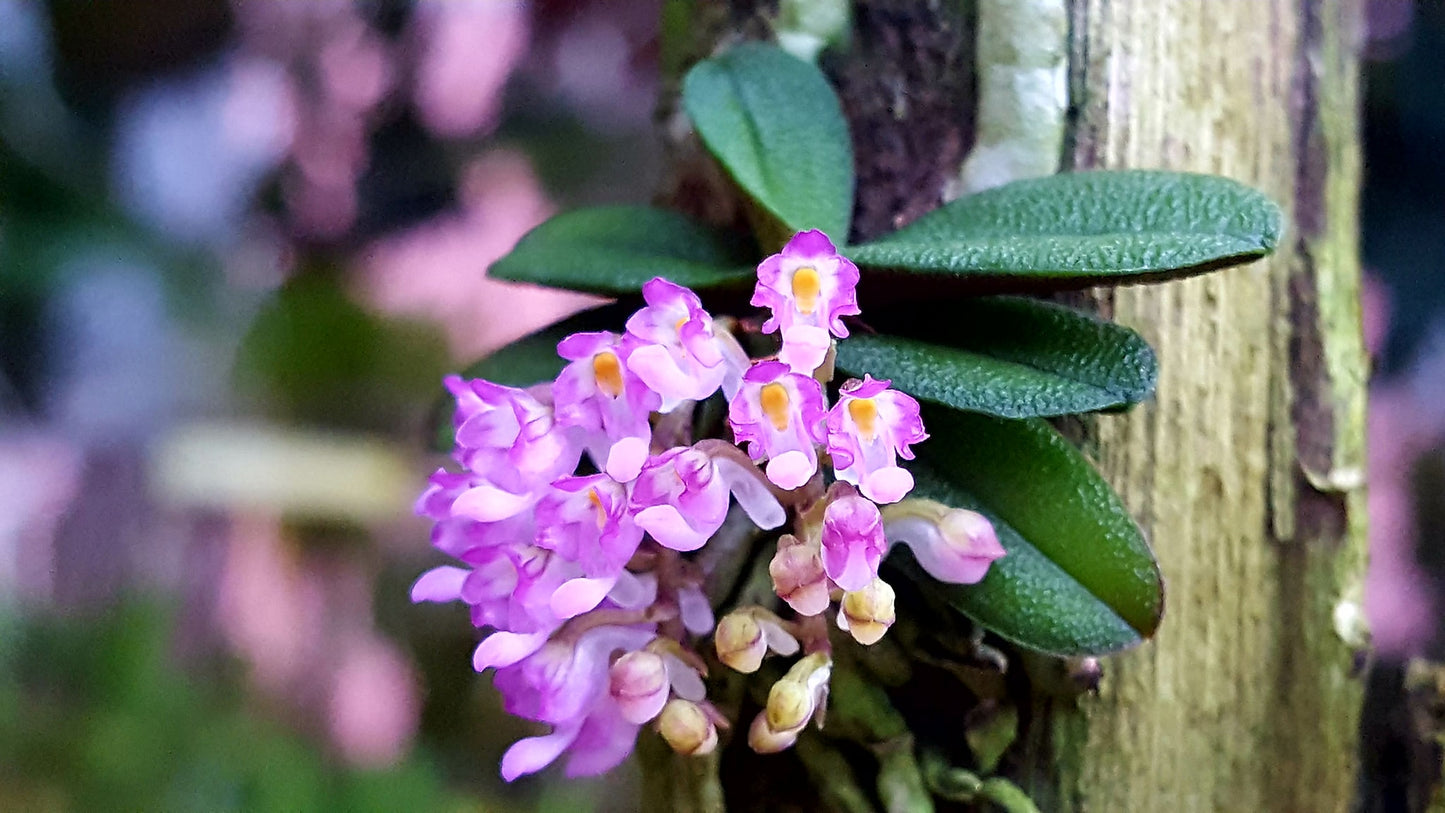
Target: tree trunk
point(1246, 471)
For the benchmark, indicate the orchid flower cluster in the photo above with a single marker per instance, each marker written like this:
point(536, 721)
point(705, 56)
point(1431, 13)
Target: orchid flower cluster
point(593, 607)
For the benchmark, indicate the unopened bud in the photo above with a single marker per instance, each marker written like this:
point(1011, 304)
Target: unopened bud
point(764, 740)
point(790, 704)
point(953, 545)
point(638, 682)
point(740, 642)
point(798, 577)
point(794, 700)
point(868, 613)
point(687, 728)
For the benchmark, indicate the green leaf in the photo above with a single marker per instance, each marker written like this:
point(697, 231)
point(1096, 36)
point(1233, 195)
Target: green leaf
point(529, 360)
point(613, 250)
point(1086, 228)
point(1007, 356)
point(776, 125)
point(1078, 577)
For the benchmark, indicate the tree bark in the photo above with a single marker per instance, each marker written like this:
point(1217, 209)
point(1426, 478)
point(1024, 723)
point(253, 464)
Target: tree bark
point(1246, 472)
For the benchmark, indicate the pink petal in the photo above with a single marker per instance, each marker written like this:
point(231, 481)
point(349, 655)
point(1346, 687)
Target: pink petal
point(696, 612)
point(810, 243)
point(668, 526)
point(791, 470)
point(639, 710)
point(853, 572)
point(810, 600)
point(624, 461)
point(486, 503)
point(439, 584)
point(535, 753)
point(506, 648)
point(659, 371)
point(632, 591)
point(887, 485)
point(778, 638)
point(605, 740)
point(751, 493)
point(577, 596)
point(804, 348)
point(686, 682)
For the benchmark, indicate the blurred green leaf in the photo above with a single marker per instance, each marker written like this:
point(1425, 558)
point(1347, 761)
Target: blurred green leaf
point(106, 720)
point(1010, 357)
point(1086, 228)
point(613, 250)
point(775, 124)
point(1078, 578)
point(314, 356)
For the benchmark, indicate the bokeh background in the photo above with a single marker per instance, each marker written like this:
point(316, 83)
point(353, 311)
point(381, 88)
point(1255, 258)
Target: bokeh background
point(240, 243)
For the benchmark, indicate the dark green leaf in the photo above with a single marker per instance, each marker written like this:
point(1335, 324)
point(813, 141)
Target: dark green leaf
point(1008, 356)
point(1078, 577)
point(613, 250)
point(775, 124)
point(1083, 227)
point(529, 360)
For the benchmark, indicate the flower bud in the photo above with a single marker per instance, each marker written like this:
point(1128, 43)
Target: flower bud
point(798, 577)
point(764, 740)
point(740, 642)
point(868, 613)
point(794, 700)
point(687, 728)
point(638, 682)
point(853, 542)
point(953, 545)
point(789, 705)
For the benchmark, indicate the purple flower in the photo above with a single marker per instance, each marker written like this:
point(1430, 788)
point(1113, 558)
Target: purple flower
point(509, 439)
point(565, 683)
point(869, 427)
point(507, 587)
point(599, 394)
point(853, 541)
point(780, 416)
point(585, 520)
point(681, 498)
point(682, 356)
point(809, 286)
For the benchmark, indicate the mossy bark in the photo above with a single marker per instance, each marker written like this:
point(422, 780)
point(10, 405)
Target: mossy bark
point(1246, 471)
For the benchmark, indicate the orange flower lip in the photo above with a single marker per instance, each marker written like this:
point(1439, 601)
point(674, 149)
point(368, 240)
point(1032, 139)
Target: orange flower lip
point(607, 369)
point(807, 284)
point(774, 400)
point(865, 416)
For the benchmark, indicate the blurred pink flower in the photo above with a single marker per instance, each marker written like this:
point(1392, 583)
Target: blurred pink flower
point(436, 269)
point(468, 51)
point(373, 703)
point(39, 478)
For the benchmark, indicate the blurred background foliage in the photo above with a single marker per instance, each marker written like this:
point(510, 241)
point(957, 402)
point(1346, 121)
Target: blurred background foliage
point(240, 242)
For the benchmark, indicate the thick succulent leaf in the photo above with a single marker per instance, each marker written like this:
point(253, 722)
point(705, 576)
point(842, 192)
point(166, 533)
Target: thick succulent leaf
point(529, 360)
point(1008, 356)
point(1082, 227)
point(1078, 577)
point(776, 125)
point(613, 250)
